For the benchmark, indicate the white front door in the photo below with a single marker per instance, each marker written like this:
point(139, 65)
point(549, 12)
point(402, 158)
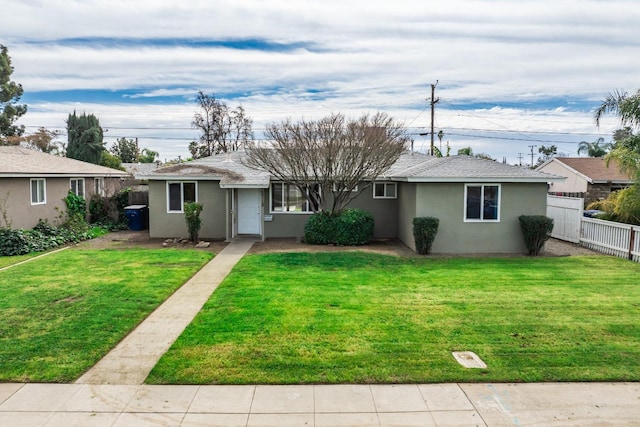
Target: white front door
point(249, 211)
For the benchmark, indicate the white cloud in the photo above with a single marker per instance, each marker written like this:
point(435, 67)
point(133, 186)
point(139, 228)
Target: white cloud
point(365, 56)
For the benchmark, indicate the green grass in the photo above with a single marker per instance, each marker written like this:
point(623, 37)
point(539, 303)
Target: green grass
point(6, 261)
point(366, 318)
point(60, 314)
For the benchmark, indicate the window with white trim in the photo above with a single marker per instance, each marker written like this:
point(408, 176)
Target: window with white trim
point(179, 193)
point(98, 186)
point(76, 185)
point(342, 187)
point(482, 202)
point(385, 190)
point(38, 191)
point(287, 198)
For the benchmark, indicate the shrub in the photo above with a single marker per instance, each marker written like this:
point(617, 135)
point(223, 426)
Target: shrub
point(13, 242)
point(349, 227)
point(536, 230)
point(424, 233)
point(353, 227)
point(192, 212)
point(320, 229)
point(42, 237)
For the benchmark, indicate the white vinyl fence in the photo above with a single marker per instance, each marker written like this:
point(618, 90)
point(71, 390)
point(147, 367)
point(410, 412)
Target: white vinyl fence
point(613, 238)
point(566, 213)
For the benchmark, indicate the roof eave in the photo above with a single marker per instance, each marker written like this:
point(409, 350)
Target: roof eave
point(484, 179)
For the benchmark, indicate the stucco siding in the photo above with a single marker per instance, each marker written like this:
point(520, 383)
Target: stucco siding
point(163, 224)
point(573, 184)
point(446, 202)
point(384, 213)
point(16, 192)
point(406, 213)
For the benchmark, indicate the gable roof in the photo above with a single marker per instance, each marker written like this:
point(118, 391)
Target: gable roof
point(410, 167)
point(18, 162)
point(415, 167)
point(593, 169)
point(227, 168)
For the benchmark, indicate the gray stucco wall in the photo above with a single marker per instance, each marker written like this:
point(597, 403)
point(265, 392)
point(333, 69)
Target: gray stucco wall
point(165, 225)
point(406, 213)
point(384, 212)
point(446, 202)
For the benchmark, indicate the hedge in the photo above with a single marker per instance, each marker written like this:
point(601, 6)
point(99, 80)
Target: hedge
point(424, 233)
point(536, 230)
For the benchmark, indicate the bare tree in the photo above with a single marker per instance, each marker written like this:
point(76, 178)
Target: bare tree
point(222, 129)
point(332, 155)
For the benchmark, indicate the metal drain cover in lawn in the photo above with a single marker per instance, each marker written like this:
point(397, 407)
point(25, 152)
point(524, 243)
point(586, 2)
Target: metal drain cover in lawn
point(469, 359)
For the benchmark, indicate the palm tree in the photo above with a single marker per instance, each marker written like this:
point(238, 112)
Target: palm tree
point(626, 106)
point(594, 149)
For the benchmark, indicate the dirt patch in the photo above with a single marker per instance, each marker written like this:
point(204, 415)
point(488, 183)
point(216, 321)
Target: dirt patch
point(140, 239)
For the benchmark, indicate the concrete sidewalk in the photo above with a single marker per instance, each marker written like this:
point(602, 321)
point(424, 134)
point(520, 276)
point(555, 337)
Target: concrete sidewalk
point(546, 404)
point(133, 358)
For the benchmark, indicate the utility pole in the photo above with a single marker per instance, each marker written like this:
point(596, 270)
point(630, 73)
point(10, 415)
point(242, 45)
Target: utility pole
point(520, 158)
point(532, 147)
point(433, 109)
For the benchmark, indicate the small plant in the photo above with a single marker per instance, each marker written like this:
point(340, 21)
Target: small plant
point(192, 212)
point(3, 212)
point(424, 233)
point(536, 230)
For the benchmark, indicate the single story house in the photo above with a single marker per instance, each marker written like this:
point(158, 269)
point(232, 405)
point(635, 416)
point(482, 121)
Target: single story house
point(477, 201)
point(33, 185)
point(587, 177)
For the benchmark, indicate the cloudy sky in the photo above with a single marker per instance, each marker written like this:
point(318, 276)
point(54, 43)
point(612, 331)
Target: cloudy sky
point(511, 74)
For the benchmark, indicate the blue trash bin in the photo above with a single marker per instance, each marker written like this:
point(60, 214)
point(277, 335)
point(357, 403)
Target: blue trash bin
point(136, 216)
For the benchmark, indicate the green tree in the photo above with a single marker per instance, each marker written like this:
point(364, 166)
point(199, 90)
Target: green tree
point(109, 160)
point(148, 156)
point(623, 205)
point(84, 138)
point(547, 153)
point(10, 93)
point(620, 103)
point(125, 149)
point(597, 148)
point(466, 151)
point(222, 129)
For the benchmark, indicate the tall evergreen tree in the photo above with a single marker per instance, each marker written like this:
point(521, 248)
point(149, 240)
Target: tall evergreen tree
point(84, 138)
point(10, 93)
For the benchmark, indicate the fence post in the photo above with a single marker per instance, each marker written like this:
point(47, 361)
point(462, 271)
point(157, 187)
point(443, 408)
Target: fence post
point(632, 238)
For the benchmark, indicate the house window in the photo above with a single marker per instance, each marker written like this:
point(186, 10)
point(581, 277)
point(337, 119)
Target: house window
point(38, 191)
point(77, 186)
point(341, 187)
point(288, 198)
point(98, 186)
point(385, 190)
point(482, 202)
point(179, 193)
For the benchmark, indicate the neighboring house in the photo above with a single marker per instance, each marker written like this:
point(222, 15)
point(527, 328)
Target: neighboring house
point(587, 177)
point(477, 201)
point(33, 184)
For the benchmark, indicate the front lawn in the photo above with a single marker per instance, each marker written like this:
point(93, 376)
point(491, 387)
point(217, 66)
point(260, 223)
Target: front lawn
point(365, 318)
point(61, 313)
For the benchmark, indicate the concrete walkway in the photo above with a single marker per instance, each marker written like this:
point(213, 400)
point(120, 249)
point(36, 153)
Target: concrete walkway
point(547, 404)
point(131, 361)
